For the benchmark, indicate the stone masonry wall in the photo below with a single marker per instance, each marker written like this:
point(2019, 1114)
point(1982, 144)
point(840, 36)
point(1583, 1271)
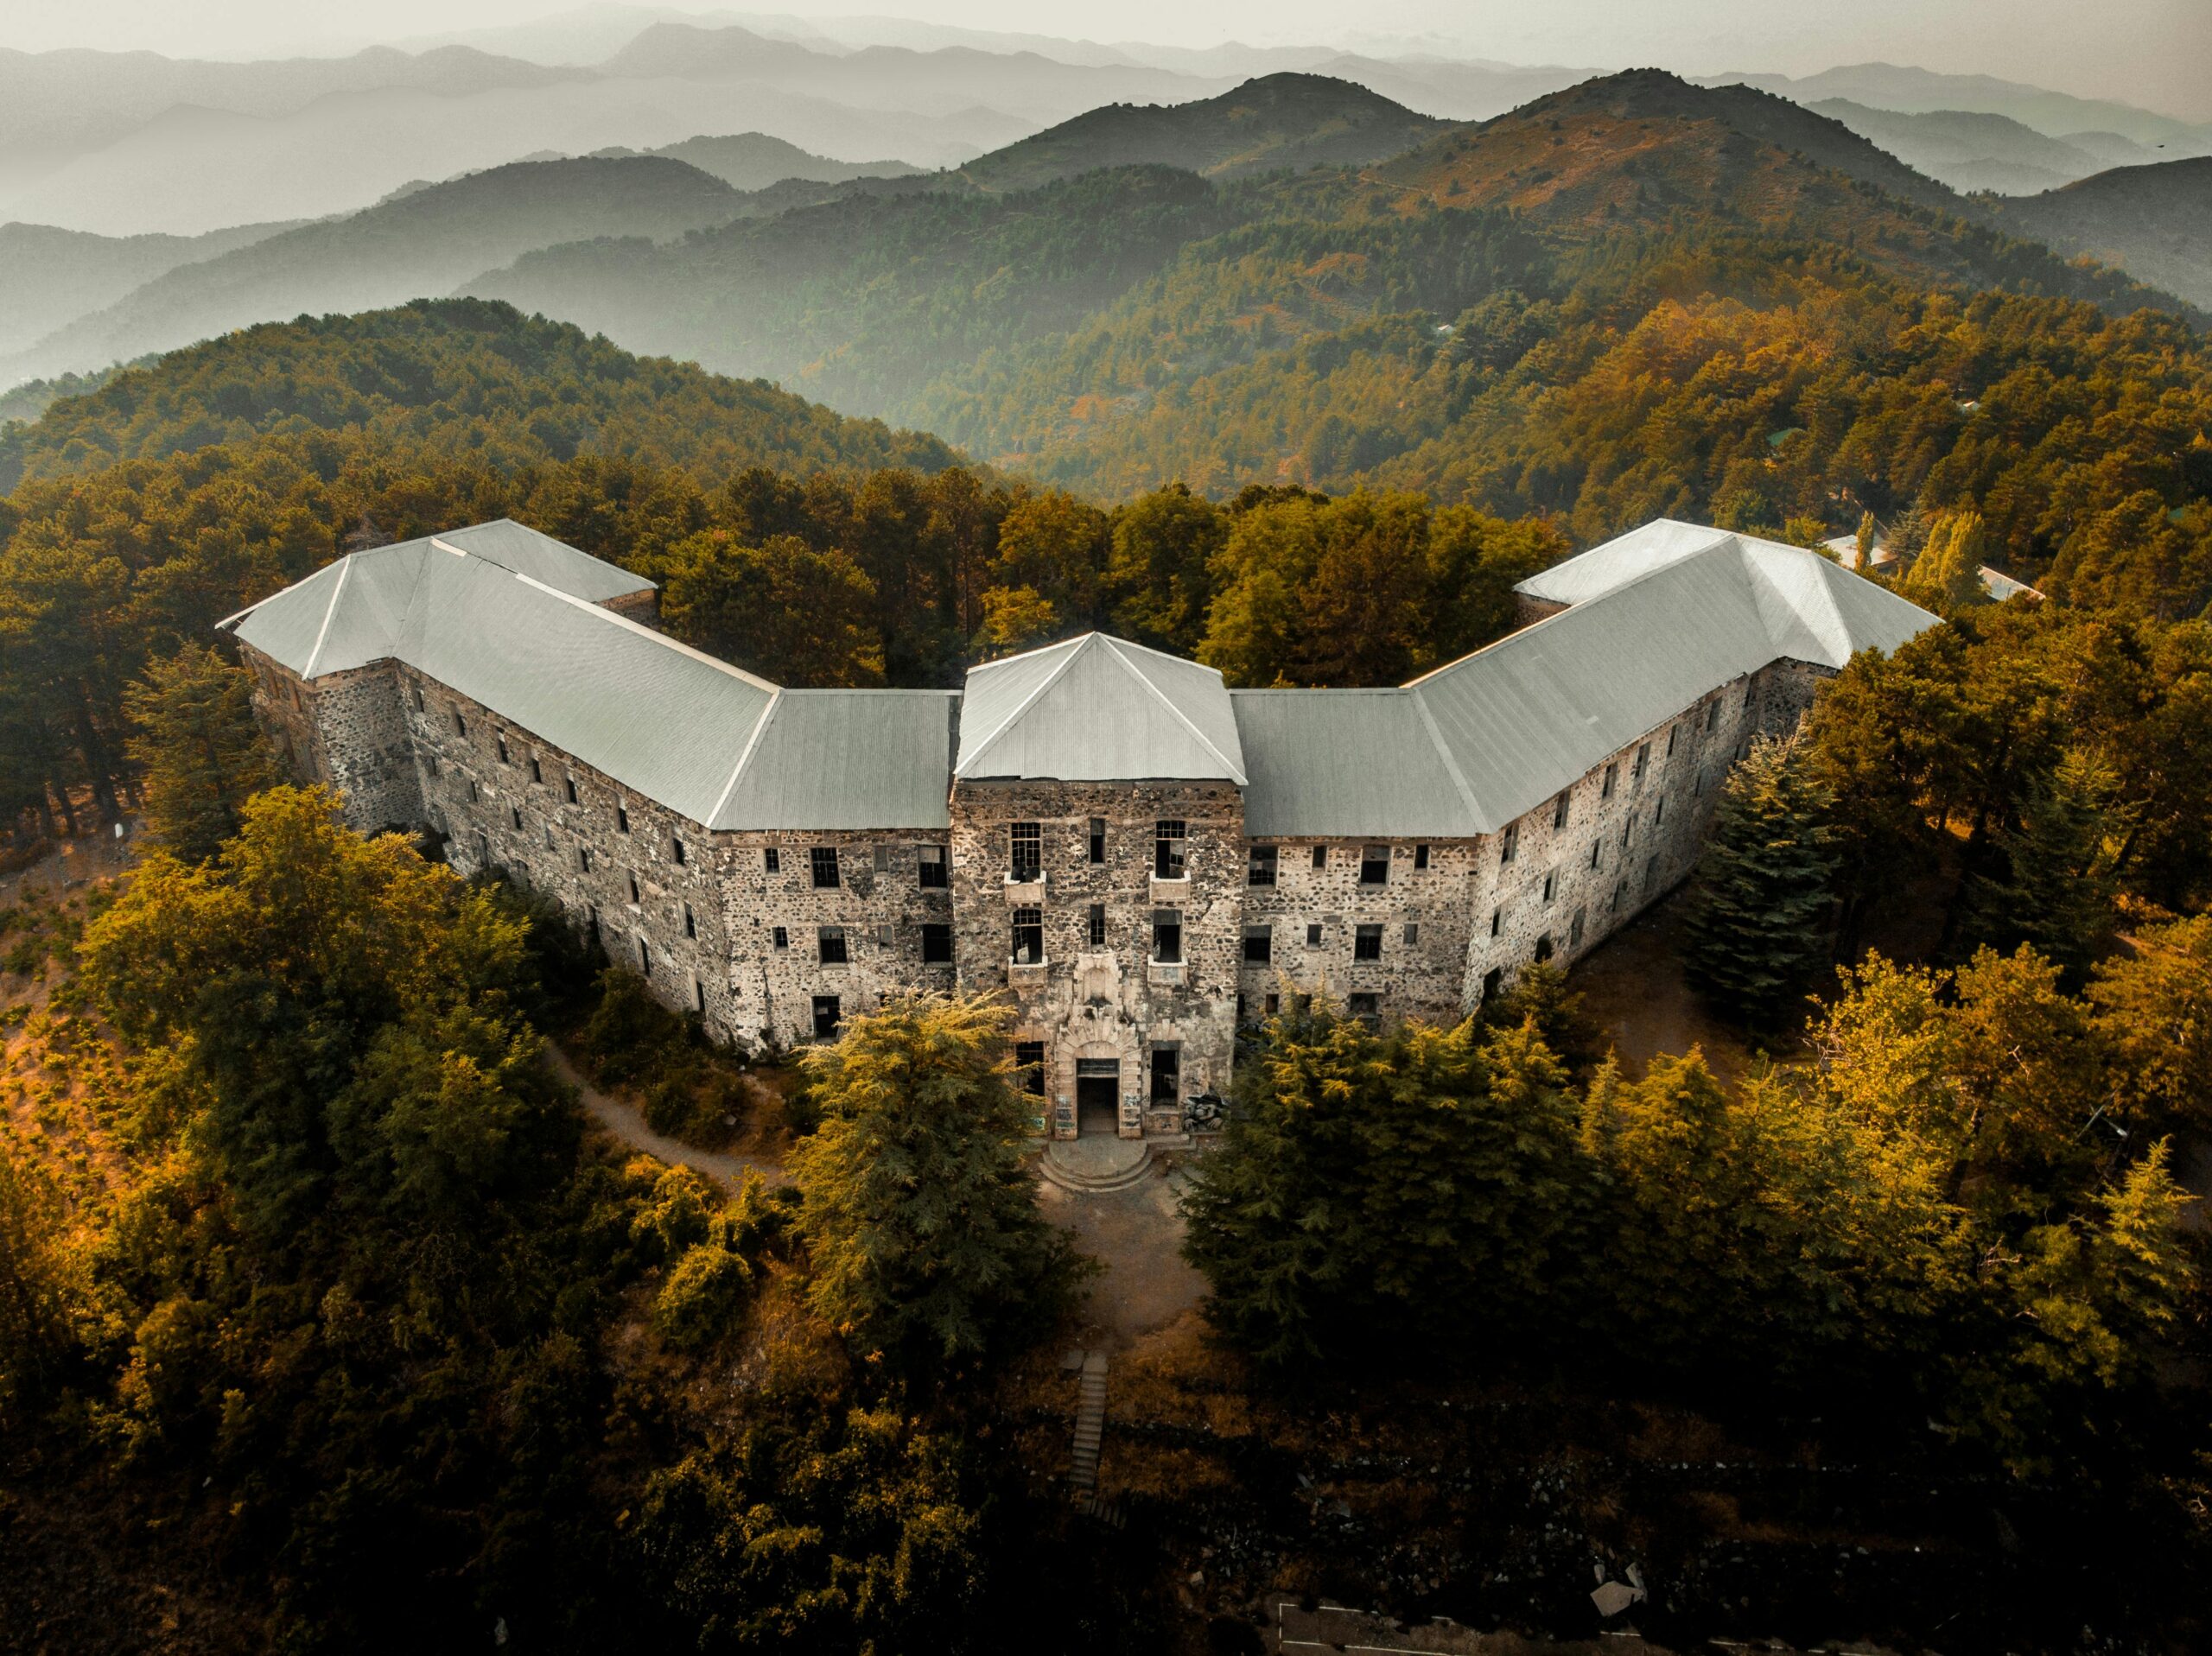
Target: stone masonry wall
point(346, 732)
point(1110, 1001)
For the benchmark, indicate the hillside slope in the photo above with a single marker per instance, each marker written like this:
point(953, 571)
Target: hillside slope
point(422, 244)
point(1969, 150)
point(51, 277)
point(754, 161)
point(2154, 221)
point(1280, 121)
point(459, 375)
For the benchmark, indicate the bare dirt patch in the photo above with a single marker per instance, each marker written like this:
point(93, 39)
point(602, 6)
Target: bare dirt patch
point(1137, 1235)
point(1632, 985)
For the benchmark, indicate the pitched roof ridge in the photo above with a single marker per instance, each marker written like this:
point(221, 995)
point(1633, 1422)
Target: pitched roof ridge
point(322, 632)
point(1069, 645)
point(637, 627)
point(1113, 647)
point(744, 758)
point(1030, 701)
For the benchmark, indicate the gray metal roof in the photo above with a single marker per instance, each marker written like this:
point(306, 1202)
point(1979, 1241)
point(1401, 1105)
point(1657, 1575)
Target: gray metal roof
point(1097, 709)
point(709, 742)
point(1347, 762)
point(1615, 562)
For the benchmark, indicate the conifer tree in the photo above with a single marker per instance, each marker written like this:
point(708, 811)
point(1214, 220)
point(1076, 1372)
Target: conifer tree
point(2052, 888)
point(1946, 575)
point(918, 1216)
point(199, 753)
point(1757, 936)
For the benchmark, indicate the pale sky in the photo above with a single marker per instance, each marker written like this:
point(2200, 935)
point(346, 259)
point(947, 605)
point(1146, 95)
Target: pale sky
point(2155, 54)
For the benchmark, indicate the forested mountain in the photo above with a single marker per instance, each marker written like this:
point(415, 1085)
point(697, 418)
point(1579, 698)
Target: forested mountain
point(1279, 121)
point(459, 376)
point(1972, 150)
point(422, 244)
point(51, 276)
point(753, 161)
point(2155, 221)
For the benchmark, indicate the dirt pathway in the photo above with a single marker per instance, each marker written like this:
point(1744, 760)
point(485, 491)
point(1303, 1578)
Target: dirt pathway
point(628, 1126)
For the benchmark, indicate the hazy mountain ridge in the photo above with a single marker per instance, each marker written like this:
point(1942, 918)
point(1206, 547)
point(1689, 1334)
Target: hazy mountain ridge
point(2156, 221)
point(1970, 150)
point(51, 277)
point(756, 161)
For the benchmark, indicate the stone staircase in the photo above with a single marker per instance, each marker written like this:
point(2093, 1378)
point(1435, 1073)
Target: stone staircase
point(1090, 1429)
point(1097, 1165)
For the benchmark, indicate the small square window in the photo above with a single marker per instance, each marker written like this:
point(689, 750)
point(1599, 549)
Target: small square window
point(1025, 852)
point(1260, 866)
point(1413, 932)
point(690, 922)
point(1097, 841)
point(1420, 857)
point(622, 819)
point(1029, 1067)
point(822, 862)
point(1259, 945)
point(772, 859)
point(1320, 856)
point(1367, 1007)
point(1509, 842)
point(1375, 866)
point(1169, 861)
point(1313, 936)
point(826, 1017)
point(1367, 943)
point(830, 944)
point(935, 874)
point(781, 937)
point(1166, 1075)
point(937, 943)
point(1028, 937)
point(1097, 930)
point(1167, 935)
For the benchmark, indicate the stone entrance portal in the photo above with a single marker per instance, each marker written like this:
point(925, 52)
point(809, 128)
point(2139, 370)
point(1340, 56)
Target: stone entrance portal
point(1097, 1096)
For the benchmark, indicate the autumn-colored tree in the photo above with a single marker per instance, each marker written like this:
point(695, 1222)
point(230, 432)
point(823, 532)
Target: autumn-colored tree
point(198, 753)
point(782, 610)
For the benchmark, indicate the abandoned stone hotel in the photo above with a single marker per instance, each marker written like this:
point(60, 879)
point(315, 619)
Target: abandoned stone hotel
point(1140, 857)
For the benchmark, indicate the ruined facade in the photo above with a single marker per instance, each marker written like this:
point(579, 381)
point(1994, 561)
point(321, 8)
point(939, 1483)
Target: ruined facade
point(1138, 858)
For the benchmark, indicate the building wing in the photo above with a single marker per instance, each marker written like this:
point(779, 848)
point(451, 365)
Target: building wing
point(1097, 709)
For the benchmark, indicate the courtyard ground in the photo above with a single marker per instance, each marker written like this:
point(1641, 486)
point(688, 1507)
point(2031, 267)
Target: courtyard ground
point(1136, 1235)
point(1632, 984)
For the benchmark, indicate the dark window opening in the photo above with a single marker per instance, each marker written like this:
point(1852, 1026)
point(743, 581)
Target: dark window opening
point(1260, 866)
point(1559, 811)
point(1097, 929)
point(830, 944)
point(514, 812)
point(1271, 1006)
point(1509, 842)
point(937, 943)
point(635, 896)
point(680, 857)
point(1367, 943)
point(1313, 936)
point(1420, 857)
point(1365, 1007)
point(1029, 1067)
point(536, 770)
point(622, 820)
point(460, 725)
point(1551, 885)
point(1713, 713)
point(645, 957)
point(1259, 945)
point(1168, 860)
point(1493, 980)
point(1496, 919)
point(771, 860)
point(1320, 856)
point(822, 859)
point(483, 848)
point(418, 698)
point(1659, 812)
point(825, 1017)
point(1544, 946)
point(1167, 935)
point(1099, 839)
point(1166, 1074)
point(1596, 847)
point(782, 937)
point(1612, 774)
point(473, 794)
point(1375, 866)
point(569, 783)
point(502, 742)
point(930, 861)
point(1642, 760)
point(583, 859)
point(431, 760)
point(690, 922)
point(1673, 731)
point(591, 919)
point(1413, 932)
point(699, 996)
point(1028, 936)
point(1574, 931)
point(1025, 852)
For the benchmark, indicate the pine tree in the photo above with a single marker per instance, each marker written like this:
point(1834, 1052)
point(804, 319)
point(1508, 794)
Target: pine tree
point(2053, 889)
point(1946, 575)
point(200, 752)
point(1756, 933)
point(918, 1216)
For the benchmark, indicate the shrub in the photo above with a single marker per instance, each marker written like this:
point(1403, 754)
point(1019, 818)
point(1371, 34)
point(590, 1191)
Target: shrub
point(702, 1295)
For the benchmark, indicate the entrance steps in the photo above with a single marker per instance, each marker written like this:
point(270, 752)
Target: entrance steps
point(1097, 1165)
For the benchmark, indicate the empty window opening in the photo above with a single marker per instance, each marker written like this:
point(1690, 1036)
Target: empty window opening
point(1313, 936)
point(583, 859)
point(1167, 849)
point(502, 744)
point(1642, 761)
point(1551, 885)
point(771, 860)
point(1420, 857)
point(1493, 980)
point(645, 957)
point(622, 825)
point(1028, 936)
point(1025, 852)
point(1320, 856)
point(514, 813)
point(1097, 844)
point(1374, 865)
point(830, 945)
point(570, 785)
point(699, 996)
point(822, 861)
point(636, 897)
point(1713, 713)
point(1367, 943)
point(825, 1017)
point(1659, 813)
point(536, 770)
point(1166, 1074)
point(937, 943)
point(1413, 932)
point(781, 937)
point(1673, 731)
point(690, 922)
point(1367, 1007)
point(1271, 1004)
point(1543, 948)
point(1029, 1067)
point(1167, 935)
point(1259, 945)
point(929, 859)
point(1509, 842)
point(680, 856)
point(1496, 919)
point(1612, 774)
point(1596, 847)
point(1559, 811)
point(1574, 931)
point(418, 698)
point(883, 857)
point(1096, 932)
point(1260, 866)
point(473, 794)
point(459, 724)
